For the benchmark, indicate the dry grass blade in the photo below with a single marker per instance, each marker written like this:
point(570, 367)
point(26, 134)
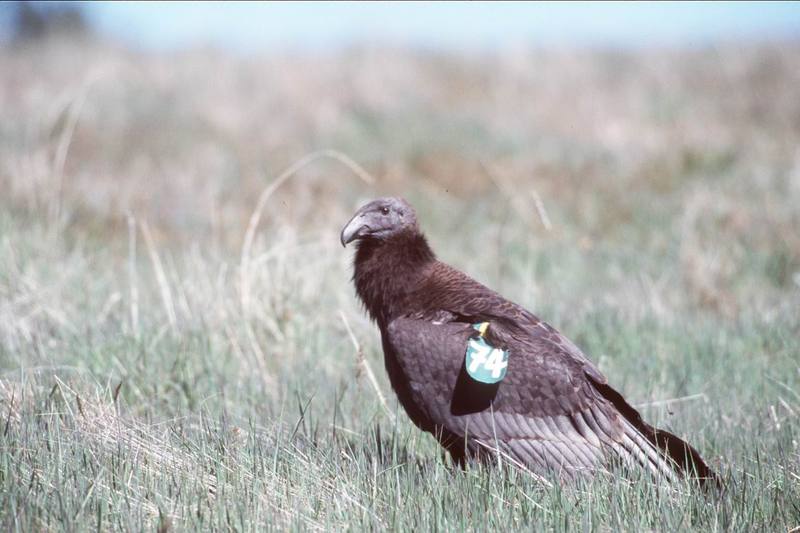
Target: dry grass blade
point(161, 277)
point(364, 364)
point(516, 200)
point(64, 142)
point(133, 278)
point(255, 218)
point(543, 216)
point(670, 401)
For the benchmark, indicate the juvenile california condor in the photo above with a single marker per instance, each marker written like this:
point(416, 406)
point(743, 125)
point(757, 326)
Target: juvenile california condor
point(446, 341)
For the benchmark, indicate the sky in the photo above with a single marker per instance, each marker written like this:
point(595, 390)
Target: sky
point(250, 27)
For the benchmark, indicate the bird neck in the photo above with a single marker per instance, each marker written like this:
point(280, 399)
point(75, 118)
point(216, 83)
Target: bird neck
point(387, 271)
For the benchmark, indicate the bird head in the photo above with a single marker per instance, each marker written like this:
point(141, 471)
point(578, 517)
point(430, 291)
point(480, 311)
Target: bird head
point(380, 219)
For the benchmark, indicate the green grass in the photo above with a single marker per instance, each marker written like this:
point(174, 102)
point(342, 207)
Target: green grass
point(139, 389)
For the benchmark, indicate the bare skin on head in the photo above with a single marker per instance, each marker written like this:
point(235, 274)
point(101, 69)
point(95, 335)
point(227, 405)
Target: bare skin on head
point(380, 219)
point(553, 413)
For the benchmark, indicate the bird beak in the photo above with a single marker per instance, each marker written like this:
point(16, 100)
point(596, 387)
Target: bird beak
point(354, 229)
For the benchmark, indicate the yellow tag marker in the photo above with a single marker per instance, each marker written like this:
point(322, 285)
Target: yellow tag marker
point(482, 327)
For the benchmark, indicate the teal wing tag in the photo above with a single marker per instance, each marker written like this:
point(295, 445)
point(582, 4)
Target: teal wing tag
point(484, 362)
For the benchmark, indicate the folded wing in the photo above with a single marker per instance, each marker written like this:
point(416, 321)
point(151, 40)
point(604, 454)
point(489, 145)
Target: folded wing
point(551, 412)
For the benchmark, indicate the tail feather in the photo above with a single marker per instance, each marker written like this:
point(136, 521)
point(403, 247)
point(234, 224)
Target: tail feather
point(648, 456)
point(662, 448)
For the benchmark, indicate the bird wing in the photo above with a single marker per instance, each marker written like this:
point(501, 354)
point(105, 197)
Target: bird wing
point(545, 414)
point(448, 292)
point(553, 410)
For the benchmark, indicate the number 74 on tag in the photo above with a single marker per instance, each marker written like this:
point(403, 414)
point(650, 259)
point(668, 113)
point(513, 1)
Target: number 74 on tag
point(484, 362)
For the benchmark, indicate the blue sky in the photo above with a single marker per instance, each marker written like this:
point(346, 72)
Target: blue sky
point(307, 25)
point(250, 26)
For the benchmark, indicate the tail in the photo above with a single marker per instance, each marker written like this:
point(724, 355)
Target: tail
point(660, 450)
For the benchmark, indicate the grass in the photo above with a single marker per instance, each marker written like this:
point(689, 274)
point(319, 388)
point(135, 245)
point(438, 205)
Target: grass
point(651, 215)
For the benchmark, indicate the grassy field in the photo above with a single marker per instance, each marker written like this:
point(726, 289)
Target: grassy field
point(175, 346)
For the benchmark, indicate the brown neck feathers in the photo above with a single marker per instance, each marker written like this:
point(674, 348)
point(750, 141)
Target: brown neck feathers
point(387, 271)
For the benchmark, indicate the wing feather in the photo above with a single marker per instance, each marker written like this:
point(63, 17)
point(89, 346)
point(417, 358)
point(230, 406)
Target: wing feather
point(532, 419)
point(551, 412)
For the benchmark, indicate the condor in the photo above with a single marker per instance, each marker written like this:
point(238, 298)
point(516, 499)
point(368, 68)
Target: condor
point(552, 411)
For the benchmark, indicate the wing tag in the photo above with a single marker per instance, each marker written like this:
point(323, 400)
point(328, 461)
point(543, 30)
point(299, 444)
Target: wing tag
point(484, 362)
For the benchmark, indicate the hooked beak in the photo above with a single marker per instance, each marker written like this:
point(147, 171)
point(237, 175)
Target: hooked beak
point(354, 229)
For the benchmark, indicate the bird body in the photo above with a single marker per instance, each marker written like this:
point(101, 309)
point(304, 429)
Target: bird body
point(553, 412)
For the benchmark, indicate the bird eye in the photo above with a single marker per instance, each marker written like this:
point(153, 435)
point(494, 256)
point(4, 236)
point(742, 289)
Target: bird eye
point(385, 210)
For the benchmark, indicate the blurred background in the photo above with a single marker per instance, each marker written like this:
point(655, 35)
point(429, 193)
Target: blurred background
point(624, 124)
point(173, 178)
